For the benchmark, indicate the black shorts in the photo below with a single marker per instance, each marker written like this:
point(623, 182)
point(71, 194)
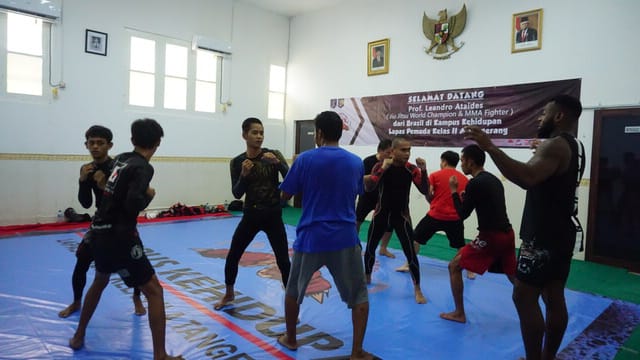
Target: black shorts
point(538, 267)
point(364, 206)
point(428, 226)
point(122, 254)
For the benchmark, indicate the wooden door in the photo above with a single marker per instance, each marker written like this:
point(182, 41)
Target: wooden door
point(305, 140)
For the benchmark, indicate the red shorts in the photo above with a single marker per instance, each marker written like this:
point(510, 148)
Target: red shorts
point(495, 250)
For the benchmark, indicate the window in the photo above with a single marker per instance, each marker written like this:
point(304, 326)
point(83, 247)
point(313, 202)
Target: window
point(175, 80)
point(165, 73)
point(206, 74)
point(142, 73)
point(277, 77)
point(24, 54)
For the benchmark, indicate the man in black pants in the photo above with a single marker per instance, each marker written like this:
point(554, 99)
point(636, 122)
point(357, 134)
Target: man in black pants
point(254, 173)
point(442, 214)
point(93, 178)
point(115, 241)
point(393, 177)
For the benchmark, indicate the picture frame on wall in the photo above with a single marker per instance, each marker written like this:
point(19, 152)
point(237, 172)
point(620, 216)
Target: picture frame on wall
point(378, 57)
point(526, 31)
point(95, 42)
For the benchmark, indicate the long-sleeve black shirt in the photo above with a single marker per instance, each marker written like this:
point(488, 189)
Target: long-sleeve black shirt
point(89, 185)
point(394, 185)
point(125, 194)
point(260, 187)
point(485, 194)
point(369, 162)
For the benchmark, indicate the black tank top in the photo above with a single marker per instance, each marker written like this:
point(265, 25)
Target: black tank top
point(549, 206)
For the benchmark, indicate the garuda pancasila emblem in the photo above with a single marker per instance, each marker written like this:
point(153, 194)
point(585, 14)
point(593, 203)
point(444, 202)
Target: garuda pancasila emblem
point(442, 33)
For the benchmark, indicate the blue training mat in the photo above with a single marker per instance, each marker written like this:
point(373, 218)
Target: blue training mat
point(189, 260)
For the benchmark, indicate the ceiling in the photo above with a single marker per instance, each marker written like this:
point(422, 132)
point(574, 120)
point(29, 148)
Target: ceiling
point(292, 7)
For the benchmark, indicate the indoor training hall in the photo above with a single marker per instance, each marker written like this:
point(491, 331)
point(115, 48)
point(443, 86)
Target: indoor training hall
point(421, 70)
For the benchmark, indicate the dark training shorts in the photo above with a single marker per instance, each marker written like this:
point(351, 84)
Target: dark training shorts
point(364, 207)
point(122, 254)
point(428, 226)
point(538, 266)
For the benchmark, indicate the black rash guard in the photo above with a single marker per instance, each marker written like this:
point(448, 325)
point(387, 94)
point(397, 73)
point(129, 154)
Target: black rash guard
point(485, 194)
point(260, 187)
point(89, 185)
point(125, 194)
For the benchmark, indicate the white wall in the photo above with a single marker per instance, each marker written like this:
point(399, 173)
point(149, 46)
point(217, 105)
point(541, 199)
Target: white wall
point(328, 59)
point(41, 142)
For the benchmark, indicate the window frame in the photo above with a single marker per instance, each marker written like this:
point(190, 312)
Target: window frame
point(160, 75)
point(46, 95)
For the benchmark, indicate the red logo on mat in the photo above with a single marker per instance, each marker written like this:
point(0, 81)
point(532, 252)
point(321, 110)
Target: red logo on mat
point(318, 286)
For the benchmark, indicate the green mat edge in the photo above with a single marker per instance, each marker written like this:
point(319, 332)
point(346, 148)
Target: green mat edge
point(585, 276)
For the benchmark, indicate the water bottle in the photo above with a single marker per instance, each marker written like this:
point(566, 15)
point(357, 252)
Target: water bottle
point(226, 205)
point(578, 247)
point(60, 216)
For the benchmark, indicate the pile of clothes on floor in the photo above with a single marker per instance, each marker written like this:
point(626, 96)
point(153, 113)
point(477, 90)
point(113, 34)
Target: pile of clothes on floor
point(70, 215)
point(177, 209)
point(180, 209)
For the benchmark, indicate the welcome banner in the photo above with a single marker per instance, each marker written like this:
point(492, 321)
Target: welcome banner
point(509, 114)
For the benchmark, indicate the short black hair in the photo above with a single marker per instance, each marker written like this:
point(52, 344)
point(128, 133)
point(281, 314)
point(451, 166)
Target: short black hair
point(450, 157)
point(384, 144)
point(146, 133)
point(246, 124)
point(330, 123)
point(397, 140)
point(569, 105)
point(99, 131)
point(475, 153)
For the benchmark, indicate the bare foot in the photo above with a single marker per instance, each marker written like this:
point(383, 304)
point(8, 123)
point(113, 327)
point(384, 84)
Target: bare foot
point(471, 275)
point(139, 307)
point(75, 306)
point(76, 342)
point(403, 268)
point(368, 277)
point(361, 355)
point(385, 252)
point(284, 341)
point(420, 299)
point(224, 302)
point(454, 316)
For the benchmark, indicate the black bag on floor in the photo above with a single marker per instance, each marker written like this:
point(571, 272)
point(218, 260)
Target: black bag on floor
point(235, 205)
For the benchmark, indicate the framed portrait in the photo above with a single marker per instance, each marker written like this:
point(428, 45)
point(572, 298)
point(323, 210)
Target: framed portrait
point(95, 42)
point(526, 31)
point(378, 57)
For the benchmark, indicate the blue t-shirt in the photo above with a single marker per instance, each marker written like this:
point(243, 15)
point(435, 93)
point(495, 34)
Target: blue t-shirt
point(330, 179)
